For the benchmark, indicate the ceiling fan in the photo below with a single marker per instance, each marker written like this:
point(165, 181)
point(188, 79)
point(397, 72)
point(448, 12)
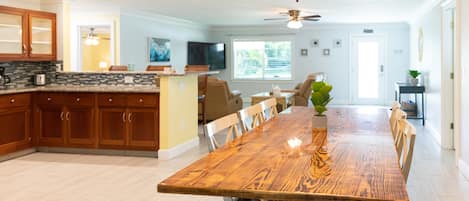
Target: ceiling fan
point(91, 38)
point(294, 20)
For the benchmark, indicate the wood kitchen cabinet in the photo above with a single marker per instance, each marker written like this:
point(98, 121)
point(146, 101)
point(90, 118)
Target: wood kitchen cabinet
point(65, 119)
point(15, 119)
point(129, 122)
point(27, 35)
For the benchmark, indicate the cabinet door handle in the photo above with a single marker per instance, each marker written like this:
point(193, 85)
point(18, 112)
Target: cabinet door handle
point(62, 116)
point(110, 99)
point(67, 116)
point(140, 100)
point(123, 117)
point(12, 100)
point(49, 99)
point(130, 117)
point(78, 99)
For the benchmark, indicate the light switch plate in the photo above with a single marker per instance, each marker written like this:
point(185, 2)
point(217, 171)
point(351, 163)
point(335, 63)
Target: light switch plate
point(128, 79)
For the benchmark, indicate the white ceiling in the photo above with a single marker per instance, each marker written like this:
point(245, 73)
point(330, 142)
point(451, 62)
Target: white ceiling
point(252, 12)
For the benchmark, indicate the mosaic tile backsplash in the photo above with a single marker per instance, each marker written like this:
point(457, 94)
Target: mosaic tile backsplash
point(22, 74)
point(85, 79)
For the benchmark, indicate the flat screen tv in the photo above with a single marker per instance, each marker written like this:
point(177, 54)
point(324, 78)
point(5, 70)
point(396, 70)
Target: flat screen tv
point(212, 54)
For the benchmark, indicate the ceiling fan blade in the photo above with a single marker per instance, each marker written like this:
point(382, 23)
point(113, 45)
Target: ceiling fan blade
point(273, 19)
point(311, 16)
point(311, 19)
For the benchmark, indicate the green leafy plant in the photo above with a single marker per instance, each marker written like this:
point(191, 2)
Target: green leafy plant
point(414, 73)
point(320, 96)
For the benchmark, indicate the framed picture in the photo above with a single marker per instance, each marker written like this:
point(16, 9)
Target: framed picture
point(326, 52)
point(337, 43)
point(304, 52)
point(315, 43)
point(159, 50)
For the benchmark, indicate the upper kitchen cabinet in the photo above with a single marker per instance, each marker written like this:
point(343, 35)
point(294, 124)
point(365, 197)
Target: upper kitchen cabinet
point(27, 35)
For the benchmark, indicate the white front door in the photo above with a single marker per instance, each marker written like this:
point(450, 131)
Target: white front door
point(368, 68)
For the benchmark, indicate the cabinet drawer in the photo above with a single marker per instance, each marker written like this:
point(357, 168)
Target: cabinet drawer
point(111, 100)
point(79, 99)
point(142, 100)
point(49, 98)
point(15, 100)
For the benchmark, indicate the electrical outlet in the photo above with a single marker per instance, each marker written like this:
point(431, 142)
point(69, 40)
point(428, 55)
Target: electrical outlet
point(128, 79)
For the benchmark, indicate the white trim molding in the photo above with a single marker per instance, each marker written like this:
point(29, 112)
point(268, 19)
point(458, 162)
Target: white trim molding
point(168, 154)
point(464, 168)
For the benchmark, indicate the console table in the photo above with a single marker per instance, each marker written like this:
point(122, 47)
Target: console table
point(407, 88)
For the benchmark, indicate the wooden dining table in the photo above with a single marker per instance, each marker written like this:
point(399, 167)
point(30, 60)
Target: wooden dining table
point(354, 160)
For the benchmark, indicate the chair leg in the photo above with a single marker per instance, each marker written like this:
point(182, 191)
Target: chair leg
point(204, 117)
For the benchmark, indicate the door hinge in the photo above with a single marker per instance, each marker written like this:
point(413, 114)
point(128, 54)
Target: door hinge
point(451, 126)
point(451, 75)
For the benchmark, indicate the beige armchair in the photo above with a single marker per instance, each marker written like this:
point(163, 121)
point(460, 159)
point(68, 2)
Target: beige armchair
point(220, 101)
point(303, 90)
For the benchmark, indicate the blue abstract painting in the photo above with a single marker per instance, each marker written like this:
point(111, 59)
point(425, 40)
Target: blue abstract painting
point(159, 50)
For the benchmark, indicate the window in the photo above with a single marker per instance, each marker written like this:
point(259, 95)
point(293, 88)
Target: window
point(262, 60)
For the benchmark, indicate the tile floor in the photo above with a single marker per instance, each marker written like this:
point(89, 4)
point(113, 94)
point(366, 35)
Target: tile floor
point(69, 177)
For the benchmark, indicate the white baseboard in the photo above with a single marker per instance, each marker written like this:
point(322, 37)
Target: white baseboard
point(434, 133)
point(464, 168)
point(168, 154)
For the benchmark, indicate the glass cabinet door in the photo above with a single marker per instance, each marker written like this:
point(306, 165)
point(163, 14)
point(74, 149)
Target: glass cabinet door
point(11, 34)
point(41, 36)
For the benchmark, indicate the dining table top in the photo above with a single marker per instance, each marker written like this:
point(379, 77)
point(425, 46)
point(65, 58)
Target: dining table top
point(283, 159)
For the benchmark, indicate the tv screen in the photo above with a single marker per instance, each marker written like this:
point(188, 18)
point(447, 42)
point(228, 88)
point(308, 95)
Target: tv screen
point(212, 54)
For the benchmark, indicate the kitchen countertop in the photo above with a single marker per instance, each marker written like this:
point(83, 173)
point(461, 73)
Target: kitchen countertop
point(67, 88)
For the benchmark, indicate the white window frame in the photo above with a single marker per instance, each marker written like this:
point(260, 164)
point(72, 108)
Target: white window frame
point(262, 38)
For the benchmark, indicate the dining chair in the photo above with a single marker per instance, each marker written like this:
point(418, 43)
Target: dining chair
point(251, 117)
point(396, 114)
point(407, 140)
point(400, 115)
point(229, 122)
point(197, 68)
point(118, 68)
point(269, 107)
point(157, 68)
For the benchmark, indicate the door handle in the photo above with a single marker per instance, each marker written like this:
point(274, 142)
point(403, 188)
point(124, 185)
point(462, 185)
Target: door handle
point(67, 116)
point(62, 116)
point(130, 117)
point(381, 68)
point(123, 117)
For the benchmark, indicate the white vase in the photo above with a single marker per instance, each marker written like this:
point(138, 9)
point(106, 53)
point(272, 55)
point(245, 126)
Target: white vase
point(414, 81)
point(319, 122)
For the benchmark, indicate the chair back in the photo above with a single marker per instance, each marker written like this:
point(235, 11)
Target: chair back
point(269, 107)
point(229, 122)
point(409, 133)
point(197, 68)
point(157, 68)
point(396, 115)
point(251, 117)
point(118, 68)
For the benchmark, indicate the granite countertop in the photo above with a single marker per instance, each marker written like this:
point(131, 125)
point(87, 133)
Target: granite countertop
point(66, 88)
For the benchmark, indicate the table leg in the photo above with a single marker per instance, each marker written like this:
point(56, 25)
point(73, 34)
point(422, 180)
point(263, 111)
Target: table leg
point(423, 110)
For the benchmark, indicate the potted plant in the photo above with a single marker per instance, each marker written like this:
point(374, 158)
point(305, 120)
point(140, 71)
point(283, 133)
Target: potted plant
point(320, 97)
point(414, 74)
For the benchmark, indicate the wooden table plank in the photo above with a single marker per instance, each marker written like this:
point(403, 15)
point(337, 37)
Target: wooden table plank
point(355, 160)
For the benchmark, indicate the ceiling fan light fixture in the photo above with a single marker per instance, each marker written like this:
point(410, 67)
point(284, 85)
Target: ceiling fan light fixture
point(92, 38)
point(294, 24)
